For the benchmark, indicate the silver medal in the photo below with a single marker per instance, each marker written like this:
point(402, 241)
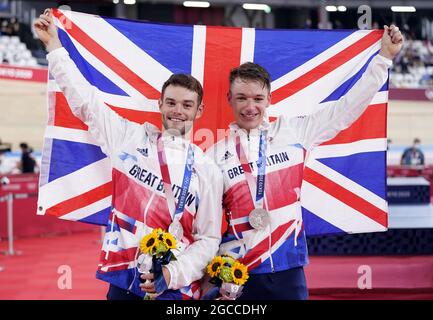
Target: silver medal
point(176, 229)
point(259, 219)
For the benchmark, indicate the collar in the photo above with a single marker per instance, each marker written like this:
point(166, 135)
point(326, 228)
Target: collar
point(264, 125)
point(169, 139)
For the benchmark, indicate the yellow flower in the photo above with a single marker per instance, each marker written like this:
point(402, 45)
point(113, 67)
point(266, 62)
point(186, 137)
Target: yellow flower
point(169, 241)
point(214, 267)
point(239, 273)
point(149, 242)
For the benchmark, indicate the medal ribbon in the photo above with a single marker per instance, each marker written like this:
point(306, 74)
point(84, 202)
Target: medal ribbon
point(259, 186)
point(180, 207)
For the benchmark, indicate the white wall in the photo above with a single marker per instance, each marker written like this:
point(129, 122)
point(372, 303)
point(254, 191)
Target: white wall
point(23, 113)
point(410, 119)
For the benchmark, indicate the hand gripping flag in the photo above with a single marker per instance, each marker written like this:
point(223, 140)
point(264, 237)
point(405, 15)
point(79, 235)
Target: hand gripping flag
point(128, 61)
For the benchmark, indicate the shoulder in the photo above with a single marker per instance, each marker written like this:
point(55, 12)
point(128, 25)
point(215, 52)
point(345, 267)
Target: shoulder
point(289, 121)
point(148, 129)
point(287, 124)
point(219, 149)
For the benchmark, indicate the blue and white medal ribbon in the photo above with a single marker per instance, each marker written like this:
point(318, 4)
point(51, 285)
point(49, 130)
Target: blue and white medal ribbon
point(259, 217)
point(175, 227)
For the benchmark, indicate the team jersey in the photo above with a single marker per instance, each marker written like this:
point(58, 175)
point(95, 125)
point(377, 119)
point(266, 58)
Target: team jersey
point(139, 202)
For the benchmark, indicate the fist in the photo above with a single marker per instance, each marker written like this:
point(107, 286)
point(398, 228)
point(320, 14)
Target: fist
point(47, 30)
point(392, 42)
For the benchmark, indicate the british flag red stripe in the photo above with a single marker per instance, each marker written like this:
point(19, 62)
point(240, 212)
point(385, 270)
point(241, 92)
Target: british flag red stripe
point(371, 125)
point(346, 196)
point(111, 61)
point(326, 67)
point(222, 53)
point(123, 256)
point(63, 116)
point(139, 117)
point(82, 200)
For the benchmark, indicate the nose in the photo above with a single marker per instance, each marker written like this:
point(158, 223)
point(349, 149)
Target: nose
point(250, 103)
point(178, 108)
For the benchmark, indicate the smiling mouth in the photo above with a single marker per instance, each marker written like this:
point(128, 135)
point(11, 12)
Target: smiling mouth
point(249, 116)
point(176, 119)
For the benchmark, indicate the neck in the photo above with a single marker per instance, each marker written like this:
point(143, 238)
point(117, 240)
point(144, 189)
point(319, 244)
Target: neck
point(248, 131)
point(176, 133)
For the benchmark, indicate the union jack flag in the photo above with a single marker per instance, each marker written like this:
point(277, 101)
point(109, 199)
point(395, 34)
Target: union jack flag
point(344, 187)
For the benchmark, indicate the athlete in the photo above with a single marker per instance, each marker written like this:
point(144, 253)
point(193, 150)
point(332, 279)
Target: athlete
point(262, 166)
point(150, 169)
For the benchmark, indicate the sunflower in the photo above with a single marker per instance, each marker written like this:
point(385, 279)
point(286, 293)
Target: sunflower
point(169, 241)
point(239, 273)
point(214, 267)
point(149, 242)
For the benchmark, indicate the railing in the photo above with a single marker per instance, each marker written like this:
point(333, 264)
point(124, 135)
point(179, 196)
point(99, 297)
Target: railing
point(9, 199)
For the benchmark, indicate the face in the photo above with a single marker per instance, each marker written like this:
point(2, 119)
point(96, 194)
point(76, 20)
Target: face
point(249, 100)
point(179, 108)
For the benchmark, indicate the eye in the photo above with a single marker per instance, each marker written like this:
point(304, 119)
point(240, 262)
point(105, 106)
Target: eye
point(171, 103)
point(258, 99)
point(187, 106)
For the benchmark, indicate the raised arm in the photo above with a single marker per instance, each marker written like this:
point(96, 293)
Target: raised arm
point(323, 125)
point(106, 126)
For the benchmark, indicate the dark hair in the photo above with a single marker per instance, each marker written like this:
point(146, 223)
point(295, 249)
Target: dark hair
point(252, 72)
point(185, 81)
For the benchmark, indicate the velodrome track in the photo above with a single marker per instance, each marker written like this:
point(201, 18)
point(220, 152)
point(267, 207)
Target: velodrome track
point(38, 273)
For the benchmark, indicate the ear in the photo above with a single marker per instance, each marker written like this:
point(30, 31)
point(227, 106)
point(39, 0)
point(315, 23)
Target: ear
point(159, 103)
point(200, 110)
point(229, 96)
point(269, 99)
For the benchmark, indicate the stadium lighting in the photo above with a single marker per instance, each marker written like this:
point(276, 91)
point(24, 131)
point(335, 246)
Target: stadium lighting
point(403, 9)
point(331, 8)
point(257, 6)
point(115, 1)
point(342, 8)
point(129, 1)
point(196, 4)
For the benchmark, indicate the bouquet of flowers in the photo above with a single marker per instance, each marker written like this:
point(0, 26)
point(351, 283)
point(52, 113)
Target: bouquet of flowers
point(156, 250)
point(228, 276)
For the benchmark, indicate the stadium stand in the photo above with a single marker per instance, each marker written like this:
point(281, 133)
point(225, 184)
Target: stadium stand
point(414, 66)
point(13, 51)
